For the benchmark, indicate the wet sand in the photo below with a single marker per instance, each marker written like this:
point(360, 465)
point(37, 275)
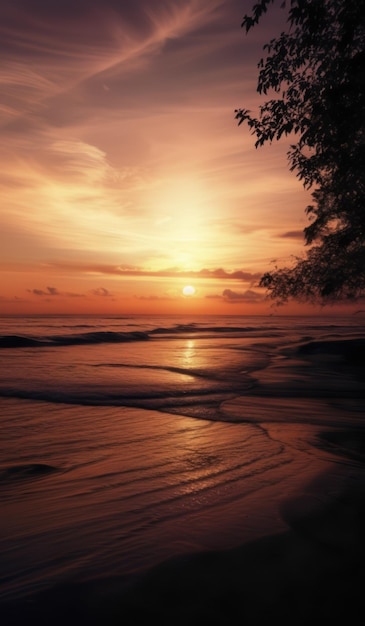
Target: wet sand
point(311, 572)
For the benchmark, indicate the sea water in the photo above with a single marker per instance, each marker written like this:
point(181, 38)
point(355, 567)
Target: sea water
point(127, 440)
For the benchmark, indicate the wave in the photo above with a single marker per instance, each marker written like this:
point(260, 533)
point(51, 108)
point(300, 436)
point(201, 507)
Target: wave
point(195, 328)
point(92, 338)
point(18, 341)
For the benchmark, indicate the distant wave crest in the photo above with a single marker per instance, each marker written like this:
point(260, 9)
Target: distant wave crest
point(19, 341)
point(194, 328)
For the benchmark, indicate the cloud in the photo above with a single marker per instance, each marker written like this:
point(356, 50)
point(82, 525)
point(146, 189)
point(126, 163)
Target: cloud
point(58, 54)
point(293, 234)
point(245, 296)
point(101, 291)
point(50, 291)
point(53, 291)
point(242, 275)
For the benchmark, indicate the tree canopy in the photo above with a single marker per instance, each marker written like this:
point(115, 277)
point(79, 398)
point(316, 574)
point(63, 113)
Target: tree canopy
point(315, 75)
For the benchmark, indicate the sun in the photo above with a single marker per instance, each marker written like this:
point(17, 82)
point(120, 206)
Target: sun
point(188, 290)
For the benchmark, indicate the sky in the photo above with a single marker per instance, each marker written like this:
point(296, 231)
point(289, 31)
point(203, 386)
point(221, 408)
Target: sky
point(124, 176)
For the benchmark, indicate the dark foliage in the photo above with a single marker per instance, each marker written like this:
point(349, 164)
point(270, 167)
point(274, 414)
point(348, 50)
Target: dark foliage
point(316, 73)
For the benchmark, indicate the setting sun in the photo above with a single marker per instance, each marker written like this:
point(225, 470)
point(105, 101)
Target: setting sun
point(189, 290)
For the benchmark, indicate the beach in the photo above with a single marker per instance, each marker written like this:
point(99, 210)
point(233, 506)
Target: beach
point(233, 493)
point(311, 570)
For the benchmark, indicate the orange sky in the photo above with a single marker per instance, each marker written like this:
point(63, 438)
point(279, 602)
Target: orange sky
point(123, 174)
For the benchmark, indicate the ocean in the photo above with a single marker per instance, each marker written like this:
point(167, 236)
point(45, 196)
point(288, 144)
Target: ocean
point(126, 441)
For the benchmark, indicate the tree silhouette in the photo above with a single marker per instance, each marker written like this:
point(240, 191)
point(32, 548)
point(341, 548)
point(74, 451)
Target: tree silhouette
point(316, 74)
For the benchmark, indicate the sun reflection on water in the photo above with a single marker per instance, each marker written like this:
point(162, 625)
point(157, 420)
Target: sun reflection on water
point(189, 353)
